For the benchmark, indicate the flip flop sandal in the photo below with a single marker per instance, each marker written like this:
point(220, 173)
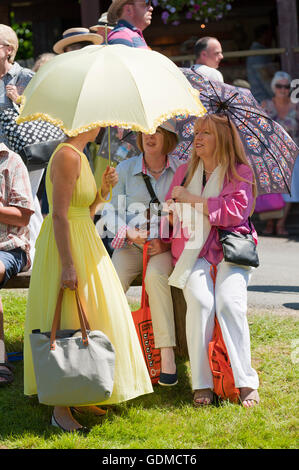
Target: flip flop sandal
point(247, 394)
point(6, 374)
point(206, 395)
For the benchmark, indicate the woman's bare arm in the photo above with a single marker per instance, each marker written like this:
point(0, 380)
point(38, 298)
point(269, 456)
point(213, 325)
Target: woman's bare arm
point(65, 170)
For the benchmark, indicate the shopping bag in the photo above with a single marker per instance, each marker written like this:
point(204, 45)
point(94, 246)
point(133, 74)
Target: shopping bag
point(72, 367)
point(223, 379)
point(144, 327)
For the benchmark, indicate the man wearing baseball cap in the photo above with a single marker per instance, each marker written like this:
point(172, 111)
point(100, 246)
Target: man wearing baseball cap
point(132, 17)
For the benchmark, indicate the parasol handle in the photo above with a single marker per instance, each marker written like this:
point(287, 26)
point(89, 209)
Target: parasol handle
point(109, 148)
point(106, 34)
point(109, 163)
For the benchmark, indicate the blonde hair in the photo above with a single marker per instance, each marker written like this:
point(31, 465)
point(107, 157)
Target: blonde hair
point(170, 141)
point(42, 59)
point(9, 38)
point(229, 150)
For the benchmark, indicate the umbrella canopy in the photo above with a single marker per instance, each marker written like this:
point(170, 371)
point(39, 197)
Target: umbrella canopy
point(109, 85)
point(269, 148)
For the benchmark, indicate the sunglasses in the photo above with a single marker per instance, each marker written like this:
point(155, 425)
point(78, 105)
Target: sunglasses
point(279, 85)
point(147, 3)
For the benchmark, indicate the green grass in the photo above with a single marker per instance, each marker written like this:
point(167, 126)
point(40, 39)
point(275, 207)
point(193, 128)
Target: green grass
point(166, 418)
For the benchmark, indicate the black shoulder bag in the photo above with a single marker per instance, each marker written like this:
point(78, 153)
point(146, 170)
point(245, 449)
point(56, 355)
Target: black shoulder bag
point(239, 248)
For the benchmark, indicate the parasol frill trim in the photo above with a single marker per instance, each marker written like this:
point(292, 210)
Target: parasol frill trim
point(125, 125)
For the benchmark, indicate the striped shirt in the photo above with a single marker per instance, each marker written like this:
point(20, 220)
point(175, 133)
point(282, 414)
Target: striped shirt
point(15, 190)
point(128, 35)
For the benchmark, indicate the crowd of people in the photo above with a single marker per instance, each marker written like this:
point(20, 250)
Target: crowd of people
point(217, 176)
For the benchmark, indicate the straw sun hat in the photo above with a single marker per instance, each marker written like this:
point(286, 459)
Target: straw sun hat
point(72, 35)
point(101, 26)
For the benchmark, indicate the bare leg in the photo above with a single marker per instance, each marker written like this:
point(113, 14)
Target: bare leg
point(168, 361)
point(280, 226)
point(2, 345)
point(268, 230)
point(3, 357)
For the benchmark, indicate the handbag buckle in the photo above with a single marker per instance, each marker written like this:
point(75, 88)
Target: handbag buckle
point(85, 341)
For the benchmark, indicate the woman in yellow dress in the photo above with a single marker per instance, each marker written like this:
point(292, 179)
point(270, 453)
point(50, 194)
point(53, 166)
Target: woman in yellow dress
point(70, 254)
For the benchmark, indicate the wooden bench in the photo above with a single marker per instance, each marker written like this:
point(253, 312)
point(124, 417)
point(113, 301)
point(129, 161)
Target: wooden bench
point(22, 280)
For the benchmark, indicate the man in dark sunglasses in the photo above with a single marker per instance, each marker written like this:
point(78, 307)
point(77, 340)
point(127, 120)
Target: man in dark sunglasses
point(132, 17)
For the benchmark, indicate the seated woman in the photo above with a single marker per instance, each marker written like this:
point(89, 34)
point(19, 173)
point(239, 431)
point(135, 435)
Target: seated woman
point(220, 185)
point(131, 196)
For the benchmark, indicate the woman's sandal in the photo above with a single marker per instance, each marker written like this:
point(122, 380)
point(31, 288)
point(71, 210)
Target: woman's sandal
point(203, 397)
point(6, 374)
point(281, 232)
point(81, 430)
point(89, 409)
point(269, 229)
point(249, 395)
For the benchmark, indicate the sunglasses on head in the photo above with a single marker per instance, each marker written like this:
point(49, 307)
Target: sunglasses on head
point(147, 3)
point(279, 85)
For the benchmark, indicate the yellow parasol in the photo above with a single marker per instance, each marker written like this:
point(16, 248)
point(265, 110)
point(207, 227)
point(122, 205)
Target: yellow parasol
point(109, 85)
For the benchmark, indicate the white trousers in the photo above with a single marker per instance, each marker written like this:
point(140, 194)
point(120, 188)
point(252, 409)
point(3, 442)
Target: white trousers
point(230, 303)
point(128, 264)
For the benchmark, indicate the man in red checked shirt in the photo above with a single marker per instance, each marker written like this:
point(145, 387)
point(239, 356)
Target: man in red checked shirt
point(16, 208)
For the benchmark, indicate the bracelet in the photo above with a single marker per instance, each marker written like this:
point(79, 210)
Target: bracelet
point(101, 197)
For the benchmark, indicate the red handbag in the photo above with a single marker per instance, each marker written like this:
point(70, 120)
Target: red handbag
point(223, 379)
point(144, 327)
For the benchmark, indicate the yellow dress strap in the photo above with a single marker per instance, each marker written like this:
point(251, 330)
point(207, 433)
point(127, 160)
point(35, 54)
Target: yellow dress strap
point(69, 145)
point(80, 153)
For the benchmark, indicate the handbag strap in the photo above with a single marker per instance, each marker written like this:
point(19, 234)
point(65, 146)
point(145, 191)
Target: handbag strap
point(144, 296)
point(250, 224)
point(220, 231)
point(57, 316)
point(150, 188)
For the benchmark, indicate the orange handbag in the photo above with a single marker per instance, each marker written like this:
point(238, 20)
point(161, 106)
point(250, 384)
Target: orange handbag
point(223, 379)
point(144, 327)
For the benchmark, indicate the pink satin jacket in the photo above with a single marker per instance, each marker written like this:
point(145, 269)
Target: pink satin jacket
point(229, 211)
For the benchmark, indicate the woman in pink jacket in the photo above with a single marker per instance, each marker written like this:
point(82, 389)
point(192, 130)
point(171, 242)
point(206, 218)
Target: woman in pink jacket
point(218, 192)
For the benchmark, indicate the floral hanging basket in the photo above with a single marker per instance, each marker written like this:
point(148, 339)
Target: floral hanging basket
point(174, 11)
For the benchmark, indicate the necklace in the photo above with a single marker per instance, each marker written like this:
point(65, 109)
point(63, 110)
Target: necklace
point(155, 172)
point(209, 172)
